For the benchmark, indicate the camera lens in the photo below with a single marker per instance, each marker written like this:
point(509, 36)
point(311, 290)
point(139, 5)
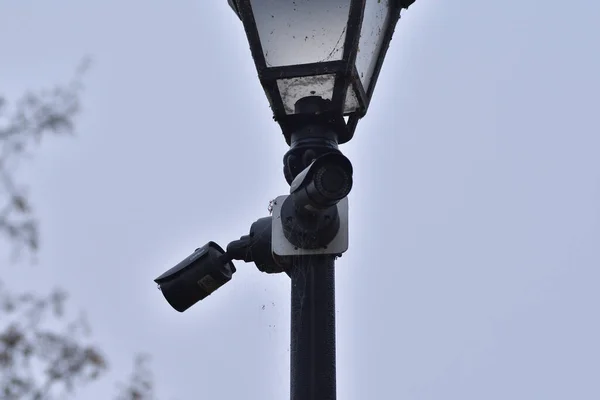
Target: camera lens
point(333, 182)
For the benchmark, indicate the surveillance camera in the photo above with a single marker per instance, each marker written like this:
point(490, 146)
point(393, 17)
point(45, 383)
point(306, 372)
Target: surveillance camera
point(326, 181)
point(204, 271)
point(309, 215)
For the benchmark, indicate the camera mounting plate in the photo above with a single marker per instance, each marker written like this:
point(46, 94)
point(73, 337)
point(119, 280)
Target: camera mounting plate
point(280, 246)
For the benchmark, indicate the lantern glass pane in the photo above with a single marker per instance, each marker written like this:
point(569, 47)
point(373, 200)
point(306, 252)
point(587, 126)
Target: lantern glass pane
point(301, 31)
point(352, 103)
point(375, 21)
point(294, 89)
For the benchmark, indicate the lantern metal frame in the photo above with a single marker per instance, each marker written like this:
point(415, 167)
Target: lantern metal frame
point(345, 70)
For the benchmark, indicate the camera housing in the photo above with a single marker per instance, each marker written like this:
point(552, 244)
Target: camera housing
point(197, 276)
point(309, 215)
point(322, 184)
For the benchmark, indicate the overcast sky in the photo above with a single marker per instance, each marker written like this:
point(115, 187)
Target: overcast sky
point(474, 260)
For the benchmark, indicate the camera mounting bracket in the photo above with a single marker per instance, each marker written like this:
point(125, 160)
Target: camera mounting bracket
point(280, 245)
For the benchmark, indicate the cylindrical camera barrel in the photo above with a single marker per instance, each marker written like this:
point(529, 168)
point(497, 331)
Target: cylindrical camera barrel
point(196, 277)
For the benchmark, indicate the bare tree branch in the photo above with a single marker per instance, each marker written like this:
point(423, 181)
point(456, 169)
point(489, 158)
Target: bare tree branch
point(140, 385)
point(44, 356)
point(37, 360)
point(34, 116)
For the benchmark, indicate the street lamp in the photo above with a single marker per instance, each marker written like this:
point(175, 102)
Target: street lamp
point(318, 62)
point(333, 49)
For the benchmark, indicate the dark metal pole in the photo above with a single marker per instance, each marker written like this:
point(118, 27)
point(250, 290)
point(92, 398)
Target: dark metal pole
point(313, 372)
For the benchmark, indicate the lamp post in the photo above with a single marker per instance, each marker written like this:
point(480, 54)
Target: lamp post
point(318, 62)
